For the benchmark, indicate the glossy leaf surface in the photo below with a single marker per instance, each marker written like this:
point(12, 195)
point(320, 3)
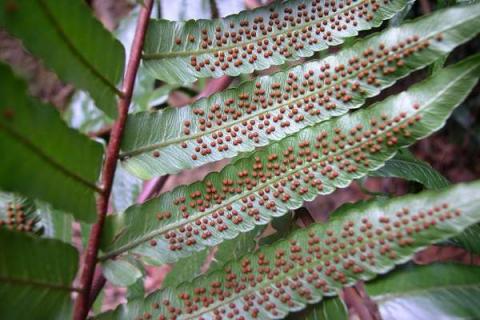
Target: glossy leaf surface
point(71, 42)
point(438, 291)
point(181, 52)
point(41, 157)
point(272, 107)
point(268, 183)
point(329, 309)
point(317, 261)
point(34, 282)
point(405, 166)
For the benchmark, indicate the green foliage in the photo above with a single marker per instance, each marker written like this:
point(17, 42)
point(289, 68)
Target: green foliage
point(43, 158)
point(318, 261)
point(176, 52)
point(404, 165)
point(292, 135)
point(272, 107)
point(20, 214)
point(35, 277)
point(428, 292)
point(329, 309)
point(268, 183)
point(71, 42)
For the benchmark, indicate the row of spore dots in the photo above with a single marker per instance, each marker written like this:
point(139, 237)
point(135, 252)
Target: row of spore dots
point(260, 185)
point(322, 263)
point(282, 33)
point(317, 93)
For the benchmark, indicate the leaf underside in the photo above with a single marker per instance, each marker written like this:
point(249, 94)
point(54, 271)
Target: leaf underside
point(266, 184)
point(272, 107)
point(34, 282)
point(20, 214)
point(437, 291)
point(181, 52)
point(317, 261)
point(72, 43)
point(42, 157)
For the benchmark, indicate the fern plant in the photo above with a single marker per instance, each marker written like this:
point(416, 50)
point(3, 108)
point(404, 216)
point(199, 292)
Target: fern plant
point(300, 125)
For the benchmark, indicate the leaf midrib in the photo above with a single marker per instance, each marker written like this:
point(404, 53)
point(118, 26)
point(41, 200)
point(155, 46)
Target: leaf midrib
point(125, 156)
point(192, 218)
point(41, 284)
point(77, 53)
point(28, 144)
point(159, 55)
point(293, 271)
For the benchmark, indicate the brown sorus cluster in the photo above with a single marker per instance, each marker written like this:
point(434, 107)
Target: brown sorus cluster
point(281, 33)
point(16, 219)
point(257, 186)
point(321, 262)
point(255, 115)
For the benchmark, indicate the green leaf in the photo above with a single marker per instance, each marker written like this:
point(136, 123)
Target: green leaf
point(125, 191)
point(318, 261)
point(405, 166)
point(121, 272)
point(176, 52)
point(55, 224)
point(268, 183)
point(18, 213)
point(438, 291)
point(43, 158)
point(71, 42)
point(241, 119)
point(186, 269)
point(189, 268)
point(329, 309)
point(82, 114)
point(469, 239)
point(35, 277)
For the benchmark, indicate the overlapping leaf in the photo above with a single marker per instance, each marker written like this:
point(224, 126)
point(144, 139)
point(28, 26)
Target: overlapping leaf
point(318, 261)
point(71, 42)
point(41, 157)
point(181, 52)
point(404, 165)
point(436, 291)
point(329, 309)
point(20, 214)
point(280, 177)
point(36, 276)
point(272, 107)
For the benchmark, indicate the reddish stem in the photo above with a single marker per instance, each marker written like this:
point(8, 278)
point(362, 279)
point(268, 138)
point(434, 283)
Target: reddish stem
point(108, 171)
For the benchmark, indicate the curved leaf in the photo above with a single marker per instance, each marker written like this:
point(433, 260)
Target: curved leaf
point(121, 272)
point(41, 157)
point(272, 107)
point(437, 291)
point(317, 261)
point(34, 282)
point(405, 166)
point(469, 239)
point(18, 213)
point(71, 42)
point(181, 52)
point(280, 177)
point(329, 309)
point(189, 268)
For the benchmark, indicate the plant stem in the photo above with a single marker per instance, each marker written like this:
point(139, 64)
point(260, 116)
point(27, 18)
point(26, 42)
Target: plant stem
point(111, 158)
